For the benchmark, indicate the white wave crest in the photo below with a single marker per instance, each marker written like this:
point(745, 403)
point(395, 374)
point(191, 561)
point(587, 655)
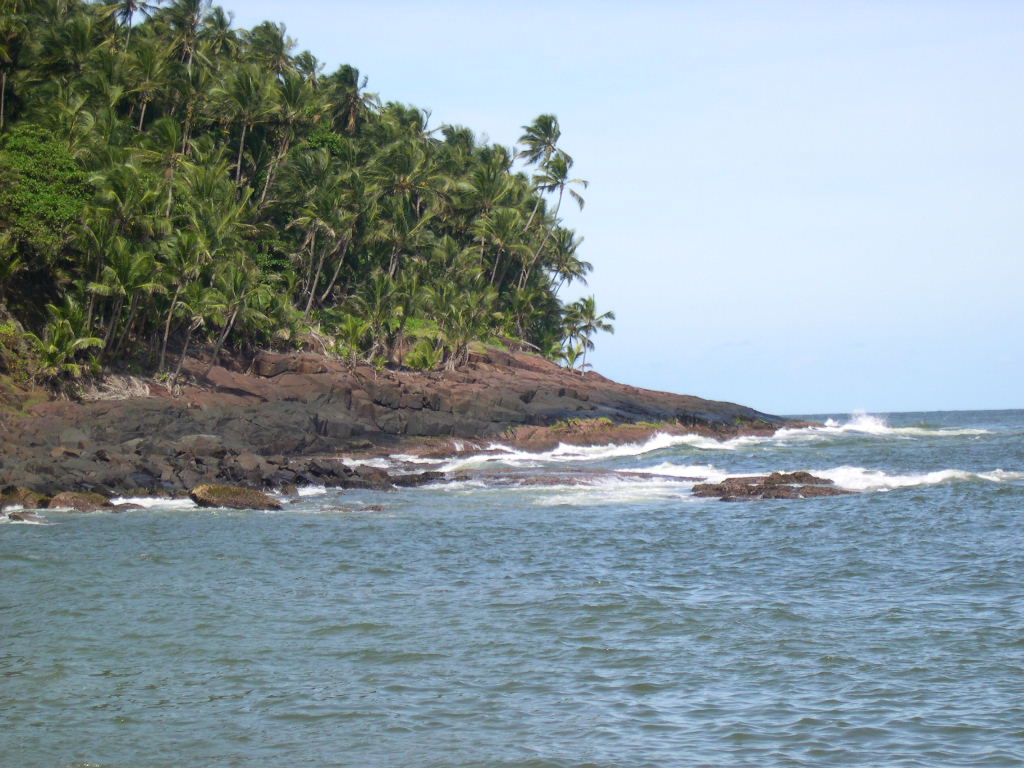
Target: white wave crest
point(377, 463)
point(861, 479)
point(152, 501)
point(868, 424)
point(563, 452)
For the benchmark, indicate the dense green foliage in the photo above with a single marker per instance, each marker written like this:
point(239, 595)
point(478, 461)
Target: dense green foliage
point(167, 180)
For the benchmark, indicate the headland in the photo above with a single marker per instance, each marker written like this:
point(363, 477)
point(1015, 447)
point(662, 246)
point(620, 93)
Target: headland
point(280, 420)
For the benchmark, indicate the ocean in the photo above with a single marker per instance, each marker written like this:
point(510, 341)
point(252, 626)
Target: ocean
point(574, 608)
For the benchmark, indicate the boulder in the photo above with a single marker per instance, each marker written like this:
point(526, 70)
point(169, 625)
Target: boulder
point(232, 497)
point(79, 502)
point(12, 496)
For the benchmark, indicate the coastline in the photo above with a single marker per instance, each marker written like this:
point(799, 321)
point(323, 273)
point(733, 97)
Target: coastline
point(284, 420)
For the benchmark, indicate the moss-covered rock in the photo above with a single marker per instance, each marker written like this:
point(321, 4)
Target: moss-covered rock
point(232, 497)
point(22, 497)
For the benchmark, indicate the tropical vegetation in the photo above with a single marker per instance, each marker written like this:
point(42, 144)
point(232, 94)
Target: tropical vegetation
point(169, 182)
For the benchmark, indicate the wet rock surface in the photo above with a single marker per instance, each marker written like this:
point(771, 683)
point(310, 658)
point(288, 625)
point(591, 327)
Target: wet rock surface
point(83, 501)
point(778, 485)
point(232, 497)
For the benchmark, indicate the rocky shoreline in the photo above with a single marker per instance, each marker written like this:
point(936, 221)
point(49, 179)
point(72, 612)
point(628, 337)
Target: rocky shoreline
point(280, 421)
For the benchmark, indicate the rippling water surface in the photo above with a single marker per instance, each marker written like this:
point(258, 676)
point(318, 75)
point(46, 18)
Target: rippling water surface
point(494, 622)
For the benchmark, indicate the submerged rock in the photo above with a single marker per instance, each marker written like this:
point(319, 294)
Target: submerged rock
point(21, 516)
point(232, 497)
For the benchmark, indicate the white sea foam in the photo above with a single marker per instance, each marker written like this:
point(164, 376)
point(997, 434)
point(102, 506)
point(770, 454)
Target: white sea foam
point(616, 490)
point(506, 456)
point(312, 490)
point(409, 458)
point(151, 501)
point(861, 479)
point(378, 463)
point(868, 424)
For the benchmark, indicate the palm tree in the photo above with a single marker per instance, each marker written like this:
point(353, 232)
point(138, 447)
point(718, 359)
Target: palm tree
point(219, 39)
point(563, 262)
point(240, 293)
point(270, 47)
point(583, 322)
point(128, 274)
point(346, 90)
point(295, 104)
point(540, 140)
point(162, 147)
point(62, 340)
point(185, 19)
point(149, 70)
point(554, 176)
point(245, 99)
point(502, 229)
point(182, 263)
point(124, 11)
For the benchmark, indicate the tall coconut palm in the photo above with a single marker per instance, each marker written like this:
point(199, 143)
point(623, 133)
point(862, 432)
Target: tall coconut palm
point(583, 322)
point(294, 103)
point(269, 47)
point(149, 70)
point(185, 20)
point(346, 90)
point(124, 11)
point(540, 139)
point(245, 99)
point(554, 177)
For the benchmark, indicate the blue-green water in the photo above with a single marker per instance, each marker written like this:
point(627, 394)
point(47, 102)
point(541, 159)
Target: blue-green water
point(621, 622)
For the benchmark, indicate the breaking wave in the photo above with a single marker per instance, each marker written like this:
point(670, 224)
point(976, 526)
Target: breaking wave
point(861, 479)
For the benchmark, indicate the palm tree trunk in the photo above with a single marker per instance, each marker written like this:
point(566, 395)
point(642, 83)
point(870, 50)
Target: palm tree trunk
point(312, 286)
point(220, 342)
point(337, 271)
point(241, 146)
point(167, 326)
point(181, 358)
point(114, 313)
point(132, 309)
point(186, 131)
point(273, 168)
point(393, 266)
point(3, 93)
point(142, 113)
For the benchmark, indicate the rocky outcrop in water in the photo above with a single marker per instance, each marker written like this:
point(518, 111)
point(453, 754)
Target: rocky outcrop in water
point(232, 497)
point(778, 485)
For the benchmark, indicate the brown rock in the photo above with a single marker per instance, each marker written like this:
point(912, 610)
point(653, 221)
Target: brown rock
point(12, 496)
point(22, 516)
point(778, 485)
point(79, 502)
point(232, 497)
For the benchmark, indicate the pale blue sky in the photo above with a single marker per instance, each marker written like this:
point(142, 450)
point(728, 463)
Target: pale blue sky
point(802, 207)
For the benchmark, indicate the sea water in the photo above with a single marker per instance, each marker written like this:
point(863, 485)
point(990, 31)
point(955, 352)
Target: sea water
point(573, 608)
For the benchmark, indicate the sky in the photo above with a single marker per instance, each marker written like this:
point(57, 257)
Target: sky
point(804, 207)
